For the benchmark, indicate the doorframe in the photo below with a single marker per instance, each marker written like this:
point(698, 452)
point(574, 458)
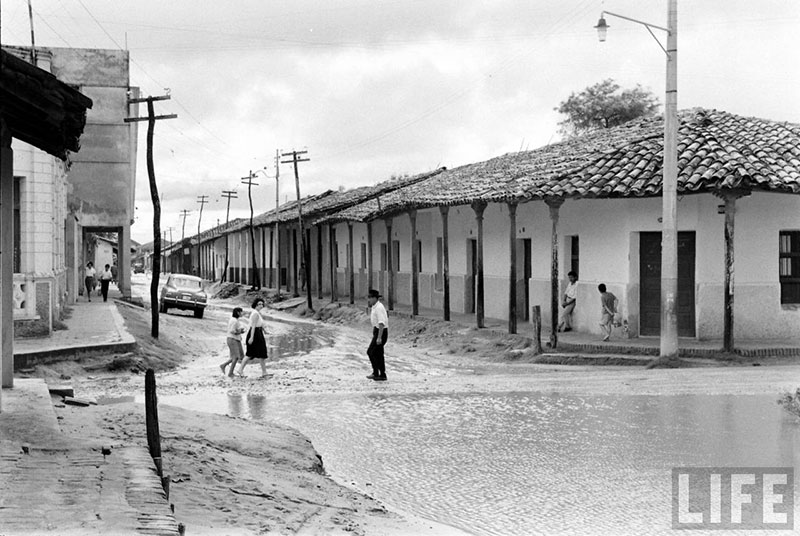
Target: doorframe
point(633, 300)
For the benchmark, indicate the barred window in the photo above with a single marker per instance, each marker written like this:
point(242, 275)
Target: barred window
point(789, 266)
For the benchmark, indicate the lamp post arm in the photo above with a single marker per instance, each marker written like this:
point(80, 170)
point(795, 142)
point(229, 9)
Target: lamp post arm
point(645, 24)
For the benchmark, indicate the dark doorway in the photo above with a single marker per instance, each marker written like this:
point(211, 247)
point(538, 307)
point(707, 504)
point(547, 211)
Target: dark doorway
point(472, 270)
point(524, 272)
point(650, 279)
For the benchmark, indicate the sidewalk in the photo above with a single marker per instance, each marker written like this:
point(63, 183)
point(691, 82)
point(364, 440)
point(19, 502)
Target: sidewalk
point(51, 483)
point(92, 327)
point(618, 345)
point(577, 342)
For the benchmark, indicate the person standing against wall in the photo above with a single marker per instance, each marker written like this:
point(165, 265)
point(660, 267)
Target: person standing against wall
point(568, 302)
point(380, 333)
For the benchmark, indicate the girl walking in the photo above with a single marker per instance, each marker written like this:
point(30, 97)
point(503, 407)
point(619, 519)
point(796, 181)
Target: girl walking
point(235, 329)
point(256, 343)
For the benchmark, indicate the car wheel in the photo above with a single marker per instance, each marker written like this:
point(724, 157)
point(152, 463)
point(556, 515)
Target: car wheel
point(198, 313)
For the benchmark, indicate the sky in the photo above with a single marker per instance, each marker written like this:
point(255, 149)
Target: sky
point(379, 88)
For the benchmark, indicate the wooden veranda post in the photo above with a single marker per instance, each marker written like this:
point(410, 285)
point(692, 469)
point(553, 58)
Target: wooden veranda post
point(730, 198)
point(332, 257)
point(479, 207)
point(350, 268)
point(412, 215)
point(390, 264)
point(445, 262)
point(151, 173)
point(554, 204)
point(369, 255)
point(512, 268)
point(319, 261)
point(293, 262)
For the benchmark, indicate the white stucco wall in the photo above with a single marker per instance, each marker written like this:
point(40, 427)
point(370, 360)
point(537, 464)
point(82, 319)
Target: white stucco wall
point(608, 232)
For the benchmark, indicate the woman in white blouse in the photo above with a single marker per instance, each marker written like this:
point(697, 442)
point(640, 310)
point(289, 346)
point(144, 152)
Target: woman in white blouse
point(256, 342)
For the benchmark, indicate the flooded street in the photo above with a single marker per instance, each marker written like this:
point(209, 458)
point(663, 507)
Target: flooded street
point(496, 448)
point(526, 463)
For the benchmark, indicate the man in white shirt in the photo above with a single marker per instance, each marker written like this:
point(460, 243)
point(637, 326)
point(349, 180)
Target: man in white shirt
point(568, 303)
point(380, 333)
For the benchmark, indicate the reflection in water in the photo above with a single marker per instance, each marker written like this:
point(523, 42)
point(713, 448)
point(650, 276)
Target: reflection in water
point(302, 339)
point(530, 463)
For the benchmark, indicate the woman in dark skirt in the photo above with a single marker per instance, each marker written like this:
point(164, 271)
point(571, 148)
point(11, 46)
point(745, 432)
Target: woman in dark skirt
point(256, 343)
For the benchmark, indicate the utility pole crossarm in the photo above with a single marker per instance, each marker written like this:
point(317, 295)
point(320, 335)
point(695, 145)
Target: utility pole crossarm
point(137, 119)
point(151, 174)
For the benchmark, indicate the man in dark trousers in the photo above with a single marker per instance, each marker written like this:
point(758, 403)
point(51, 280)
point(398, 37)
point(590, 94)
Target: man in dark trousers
point(380, 333)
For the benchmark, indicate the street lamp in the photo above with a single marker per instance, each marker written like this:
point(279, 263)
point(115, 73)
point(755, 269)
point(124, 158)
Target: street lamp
point(669, 185)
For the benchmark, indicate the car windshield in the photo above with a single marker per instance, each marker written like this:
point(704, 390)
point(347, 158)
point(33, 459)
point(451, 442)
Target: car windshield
point(184, 282)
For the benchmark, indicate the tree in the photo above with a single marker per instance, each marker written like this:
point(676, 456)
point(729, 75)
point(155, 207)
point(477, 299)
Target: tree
point(603, 105)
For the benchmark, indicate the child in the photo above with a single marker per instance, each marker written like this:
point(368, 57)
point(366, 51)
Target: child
point(235, 329)
point(608, 302)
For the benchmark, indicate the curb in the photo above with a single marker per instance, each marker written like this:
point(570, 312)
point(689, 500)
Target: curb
point(127, 343)
point(40, 357)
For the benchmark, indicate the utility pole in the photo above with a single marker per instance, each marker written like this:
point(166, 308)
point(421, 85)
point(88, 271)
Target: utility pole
point(183, 215)
point(229, 194)
point(277, 218)
point(296, 157)
point(255, 280)
point(151, 173)
point(202, 199)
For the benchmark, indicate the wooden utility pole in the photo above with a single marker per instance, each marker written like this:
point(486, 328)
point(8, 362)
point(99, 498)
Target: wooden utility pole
point(183, 215)
point(151, 123)
point(277, 218)
point(229, 194)
point(296, 157)
point(202, 199)
point(255, 280)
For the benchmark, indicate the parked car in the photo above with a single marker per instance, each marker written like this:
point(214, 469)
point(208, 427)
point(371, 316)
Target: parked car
point(183, 292)
point(138, 268)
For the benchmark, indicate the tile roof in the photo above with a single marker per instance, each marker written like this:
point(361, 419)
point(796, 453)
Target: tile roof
point(716, 150)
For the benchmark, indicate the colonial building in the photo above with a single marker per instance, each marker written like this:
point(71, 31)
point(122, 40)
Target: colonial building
point(59, 205)
point(496, 238)
point(49, 115)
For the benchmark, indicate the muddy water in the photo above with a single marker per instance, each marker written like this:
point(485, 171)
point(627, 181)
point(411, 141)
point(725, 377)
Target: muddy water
point(521, 453)
point(525, 463)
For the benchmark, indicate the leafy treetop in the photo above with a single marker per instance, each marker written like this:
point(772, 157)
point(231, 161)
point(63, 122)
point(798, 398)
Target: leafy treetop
point(603, 105)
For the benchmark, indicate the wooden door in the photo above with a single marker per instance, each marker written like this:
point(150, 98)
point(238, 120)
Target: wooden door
point(650, 283)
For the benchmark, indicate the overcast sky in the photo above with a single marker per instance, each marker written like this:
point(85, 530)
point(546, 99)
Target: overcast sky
point(377, 88)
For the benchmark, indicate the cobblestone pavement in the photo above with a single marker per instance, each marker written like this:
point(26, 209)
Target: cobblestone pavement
point(52, 484)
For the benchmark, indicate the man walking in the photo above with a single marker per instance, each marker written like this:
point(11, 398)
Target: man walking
point(380, 333)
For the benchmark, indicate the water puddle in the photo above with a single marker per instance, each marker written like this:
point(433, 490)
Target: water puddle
point(527, 463)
